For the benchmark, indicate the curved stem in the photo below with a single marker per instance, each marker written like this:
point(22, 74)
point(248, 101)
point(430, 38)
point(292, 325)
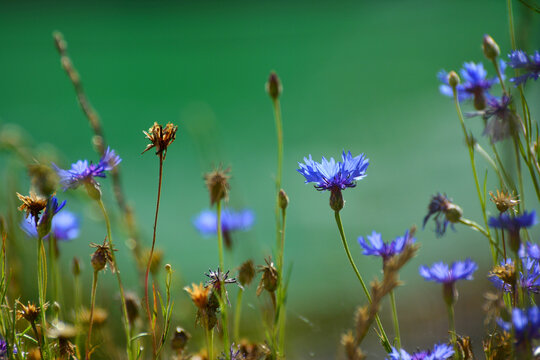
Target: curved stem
point(395, 318)
point(483, 231)
point(149, 262)
point(127, 326)
point(91, 320)
point(386, 342)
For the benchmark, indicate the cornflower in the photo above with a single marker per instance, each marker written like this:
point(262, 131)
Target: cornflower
point(501, 121)
point(231, 221)
point(4, 349)
point(334, 176)
point(475, 85)
point(513, 224)
point(529, 63)
point(525, 323)
point(445, 212)
point(504, 276)
point(84, 173)
point(377, 247)
point(439, 352)
point(64, 226)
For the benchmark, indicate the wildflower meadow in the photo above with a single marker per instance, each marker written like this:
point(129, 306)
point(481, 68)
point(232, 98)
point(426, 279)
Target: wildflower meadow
point(250, 181)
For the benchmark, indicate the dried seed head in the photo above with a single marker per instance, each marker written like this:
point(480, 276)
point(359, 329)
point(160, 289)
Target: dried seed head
point(29, 312)
point(350, 345)
point(498, 345)
point(269, 279)
point(217, 183)
point(32, 204)
point(246, 273)
point(273, 86)
point(490, 47)
point(283, 199)
point(160, 138)
point(100, 316)
point(132, 306)
point(43, 178)
point(62, 331)
point(506, 272)
point(504, 201)
point(199, 295)
point(102, 256)
point(180, 339)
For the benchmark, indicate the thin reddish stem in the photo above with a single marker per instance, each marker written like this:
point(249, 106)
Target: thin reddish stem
point(154, 345)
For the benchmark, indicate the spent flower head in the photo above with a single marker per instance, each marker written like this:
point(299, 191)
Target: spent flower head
point(530, 64)
point(445, 212)
point(501, 121)
point(160, 138)
point(269, 278)
point(504, 200)
point(32, 205)
point(102, 256)
point(199, 294)
point(217, 182)
point(29, 312)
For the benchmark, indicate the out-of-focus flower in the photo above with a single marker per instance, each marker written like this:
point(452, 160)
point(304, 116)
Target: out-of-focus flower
point(442, 273)
point(102, 256)
point(32, 205)
point(502, 122)
point(84, 173)
point(231, 221)
point(513, 224)
point(529, 250)
point(217, 183)
point(475, 84)
point(234, 354)
point(504, 276)
point(4, 349)
point(199, 295)
point(439, 352)
point(377, 247)
point(218, 280)
point(525, 323)
point(519, 59)
point(445, 213)
point(64, 226)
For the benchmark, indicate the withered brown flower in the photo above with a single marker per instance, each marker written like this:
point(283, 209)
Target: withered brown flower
point(217, 183)
point(269, 279)
point(160, 138)
point(32, 204)
point(199, 295)
point(29, 312)
point(504, 201)
point(102, 256)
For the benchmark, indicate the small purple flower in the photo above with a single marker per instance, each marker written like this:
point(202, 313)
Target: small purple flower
point(442, 273)
point(64, 226)
point(526, 324)
point(513, 224)
point(231, 221)
point(377, 247)
point(439, 352)
point(475, 83)
point(445, 213)
point(329, 175)
point(529, 250)
point(234, 354)
point(501, 120)
point(4, 349)
point(529, 63)
point(82, 172)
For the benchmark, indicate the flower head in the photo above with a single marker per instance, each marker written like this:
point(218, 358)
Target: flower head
point(102, 256)
point(529, 63)
point(217, 183)
point(218, 280)
point(328, 175)
point(530, 250)
point(377, 247)
point(160, 138)
point(231, 221)
point(439, 352)
point(475, 85)
point(234, 354)
point(502, 122)
point(445, 213)
point(504, 201)
point(64, 226)
point(504, 276)
point(30, 312)
point(84, 173)
point(32, 205)
point(442, 273)
point(199, 295)
point(525, 323)
point(269, 278)
point(513, 223)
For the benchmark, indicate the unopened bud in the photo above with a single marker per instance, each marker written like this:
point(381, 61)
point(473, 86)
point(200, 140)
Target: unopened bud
point(56, 308)
point(76, 266)
point(132, 307)
point(246, 273)
point(453, 79)
point(336, 199)
point(180, 339)
point(273, 86)
point(490, 47)
point(283, 199)
point(168, 268)
point(98, 260)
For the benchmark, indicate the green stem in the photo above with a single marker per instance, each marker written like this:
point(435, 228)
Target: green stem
point(238, 315)
point(223, 300)
point(386, 342)
point(42, 288)
point(483, 231)
point(91, 320)
point(452, 324)
point(511, 24)
point(395, 318)
point(481, 197)
point(127, 327)
point(220, 236)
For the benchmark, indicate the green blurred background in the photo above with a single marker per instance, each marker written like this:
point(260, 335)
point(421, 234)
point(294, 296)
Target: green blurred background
point(358, 76)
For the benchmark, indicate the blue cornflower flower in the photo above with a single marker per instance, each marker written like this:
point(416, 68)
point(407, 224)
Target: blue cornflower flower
point(513, 224)
point(445, 213)
point(334, 176)
point(64, 226)
point(475, 84)
point(529, 250)
point(206, 222)
point(439, 352)
point(529, 63)
point(501, 121)
point(4, 349)
point(377, 247)
point(84, 173)
point(526, 324)
point(442, 273)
